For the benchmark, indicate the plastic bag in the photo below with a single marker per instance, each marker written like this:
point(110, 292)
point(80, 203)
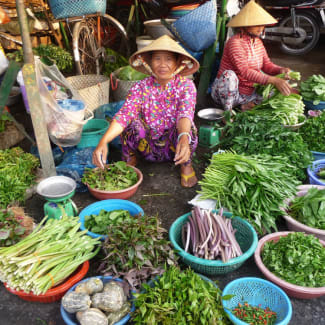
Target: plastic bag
point(3, 62)
point(63, 128)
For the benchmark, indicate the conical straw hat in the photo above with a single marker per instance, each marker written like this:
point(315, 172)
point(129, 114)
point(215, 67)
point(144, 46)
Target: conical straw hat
point(163, 43)
point(252, 15)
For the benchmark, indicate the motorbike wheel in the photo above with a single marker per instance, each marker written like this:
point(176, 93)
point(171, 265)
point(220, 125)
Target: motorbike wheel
point(310, 25)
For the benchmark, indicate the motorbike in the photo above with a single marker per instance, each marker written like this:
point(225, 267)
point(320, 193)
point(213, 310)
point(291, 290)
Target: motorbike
point(299, 24)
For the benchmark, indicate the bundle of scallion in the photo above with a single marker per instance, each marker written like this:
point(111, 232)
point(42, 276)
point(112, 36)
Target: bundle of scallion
point(47, 256)
point(252, 187)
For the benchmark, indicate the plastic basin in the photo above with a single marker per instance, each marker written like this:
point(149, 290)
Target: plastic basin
point(313, 169)
point(309, 105)
point(121, 194)
point(255, 292)
point(108, 205)
point(291, 289)
point(70, 319)
point(92, 132)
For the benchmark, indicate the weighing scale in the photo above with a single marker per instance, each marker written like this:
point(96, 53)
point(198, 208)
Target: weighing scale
point(210, 132)
point(58, 191)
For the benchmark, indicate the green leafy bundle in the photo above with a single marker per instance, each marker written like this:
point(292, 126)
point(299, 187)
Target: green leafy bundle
point(252, 187)
point(313, 133)
point(117, 176)
point(137, 250)
point(49, 54)
point(313, 89)
point(113, 62)
point(309, 209)
point(10, 229)
point(130, 74)
point(181, 298)
point(253, 134)
point(3, 118)
point(17, 173)
point(99, 223)
point(296, 258)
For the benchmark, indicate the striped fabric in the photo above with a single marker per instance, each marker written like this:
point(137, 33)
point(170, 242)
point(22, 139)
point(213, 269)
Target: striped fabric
point(249, 61)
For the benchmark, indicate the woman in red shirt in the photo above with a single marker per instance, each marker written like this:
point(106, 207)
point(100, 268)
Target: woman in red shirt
point(245, 62)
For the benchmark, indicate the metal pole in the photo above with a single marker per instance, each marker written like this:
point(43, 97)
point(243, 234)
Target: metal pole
point(33, 95)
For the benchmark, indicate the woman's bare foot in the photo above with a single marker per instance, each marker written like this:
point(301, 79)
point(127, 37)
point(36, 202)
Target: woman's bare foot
point(188, 178)
point(247, 106)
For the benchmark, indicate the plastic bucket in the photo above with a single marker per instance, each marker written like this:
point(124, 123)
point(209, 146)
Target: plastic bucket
point(75, 107)
point(143, 41)
point(92, 132)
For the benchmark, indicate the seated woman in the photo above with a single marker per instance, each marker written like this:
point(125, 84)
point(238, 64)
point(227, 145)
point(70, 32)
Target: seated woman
point(156, 120)
point(245, 62)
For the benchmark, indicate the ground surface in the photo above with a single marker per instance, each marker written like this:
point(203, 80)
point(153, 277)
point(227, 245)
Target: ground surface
point(164, 179)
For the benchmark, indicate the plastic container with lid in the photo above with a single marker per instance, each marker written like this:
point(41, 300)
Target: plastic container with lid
point(75, 107)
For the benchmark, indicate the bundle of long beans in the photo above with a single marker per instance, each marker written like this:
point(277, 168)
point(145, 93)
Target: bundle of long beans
point(47, 256)
point(252, 187)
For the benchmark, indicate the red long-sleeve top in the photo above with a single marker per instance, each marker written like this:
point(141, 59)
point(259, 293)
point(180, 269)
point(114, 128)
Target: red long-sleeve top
point(249, 61)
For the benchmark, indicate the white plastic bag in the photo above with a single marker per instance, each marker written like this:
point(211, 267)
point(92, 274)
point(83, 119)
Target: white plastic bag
point(4, 63)
point(63, 127)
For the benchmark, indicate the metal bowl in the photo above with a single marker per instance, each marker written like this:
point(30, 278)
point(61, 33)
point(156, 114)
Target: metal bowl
point(296, 126)
point(156, 29)
point(211, 114)
point(56, 187)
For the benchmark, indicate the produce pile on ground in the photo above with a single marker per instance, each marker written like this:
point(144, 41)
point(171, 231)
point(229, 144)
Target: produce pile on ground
point(253, 134)
point(313, 132)
point(313, 89)
point(107, 300)
point(51, 253)
point(210, 236)
point(179, 298)
point(252, 187)
point(136, 250)
point(296, 258)
point(115, 177)
point(309, 209)
point(17, 174)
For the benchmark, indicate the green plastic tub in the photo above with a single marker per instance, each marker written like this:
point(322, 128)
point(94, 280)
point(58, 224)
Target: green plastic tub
point(92, 132)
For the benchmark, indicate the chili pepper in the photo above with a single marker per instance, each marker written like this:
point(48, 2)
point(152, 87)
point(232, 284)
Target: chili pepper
point(255, 315)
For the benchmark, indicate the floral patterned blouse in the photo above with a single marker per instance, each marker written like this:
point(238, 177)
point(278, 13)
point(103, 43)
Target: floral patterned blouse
point(159, 107)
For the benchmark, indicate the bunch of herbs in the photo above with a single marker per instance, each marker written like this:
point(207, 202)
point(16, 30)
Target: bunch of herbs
point(252, 187)
point(10, 228)
point(296, 258)
point(313, 131)
point(253, 134)
point(17, 174)
point(115, 177)
point(98, 223)
point(309, 209)
point(313, 89)
point(137, 250)
point(179, 298)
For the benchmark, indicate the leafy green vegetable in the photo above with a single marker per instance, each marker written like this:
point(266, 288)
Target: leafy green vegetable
point(296, 258)
point(113, 62)
point(181, 298)
point(252, 187)
point(313, 131)
point(130, 74)
point(137, 250)
point(10, 229)
point(99, 223)
point(117, 176)
point(3, 118)
point(17, 173)
point(309, 209)
point(313, 89)
point(253, 134)
point(49, 54)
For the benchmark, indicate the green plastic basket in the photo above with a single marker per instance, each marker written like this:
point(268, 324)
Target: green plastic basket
point(92, 132)
point(245, 235)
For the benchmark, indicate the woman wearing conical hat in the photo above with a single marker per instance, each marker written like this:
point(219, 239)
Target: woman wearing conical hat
point(245, 62)
point(156, 120)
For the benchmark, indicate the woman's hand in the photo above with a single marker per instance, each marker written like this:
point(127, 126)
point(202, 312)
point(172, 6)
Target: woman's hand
point(286, 72)
point(183, 151)
point(281, 84)
point(100, 155)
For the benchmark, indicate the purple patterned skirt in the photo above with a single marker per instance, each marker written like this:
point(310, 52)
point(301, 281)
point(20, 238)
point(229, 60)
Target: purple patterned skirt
point(136, 139)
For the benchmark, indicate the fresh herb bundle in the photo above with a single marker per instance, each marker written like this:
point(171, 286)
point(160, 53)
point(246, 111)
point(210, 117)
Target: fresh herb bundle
point(98, 223)
point(252, 187)
point(117, 176)
point(179, 298)
point(251, 134)
point(255, 315)
point(10, 229)
point(17, 173)
point(296, 258)
point(313, 89)
point(313, 133)
point(113, 62)
point(137, 250)
point(309, 209)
